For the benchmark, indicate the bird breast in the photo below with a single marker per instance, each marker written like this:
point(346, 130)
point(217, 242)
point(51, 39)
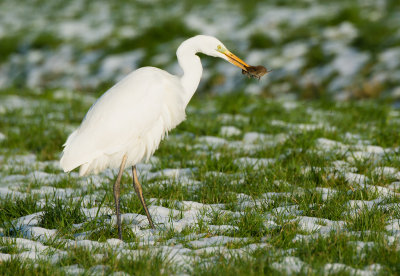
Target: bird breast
point(131, 118)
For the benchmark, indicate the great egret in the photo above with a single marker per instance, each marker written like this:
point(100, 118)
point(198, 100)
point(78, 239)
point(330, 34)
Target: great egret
point(126, 124)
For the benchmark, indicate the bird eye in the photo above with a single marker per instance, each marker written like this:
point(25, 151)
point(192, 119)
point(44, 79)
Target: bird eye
point(220, 48)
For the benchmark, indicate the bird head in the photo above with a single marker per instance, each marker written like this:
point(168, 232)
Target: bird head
point(213, 47)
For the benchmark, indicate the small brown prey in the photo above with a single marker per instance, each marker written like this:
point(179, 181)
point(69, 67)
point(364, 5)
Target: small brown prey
point(255, 71)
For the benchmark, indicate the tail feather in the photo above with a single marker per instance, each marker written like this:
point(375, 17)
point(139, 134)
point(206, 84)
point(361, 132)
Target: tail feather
point(68, 161)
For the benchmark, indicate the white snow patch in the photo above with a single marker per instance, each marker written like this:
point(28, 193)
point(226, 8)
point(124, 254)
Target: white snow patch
point(290, 265)
point(337, 268)
point(222, 228)
point(170, 173)
point(393, 225)
point(29, 220)
point(255, 163)
point(326, 193)
point(390, 58)
point(345, 32)
point(117, 66)
point(162, 214)
point(5, 192)
point(349, 62)
point(321, 225)
point(5, 257)
point(92, 212)
point(228, 131)
point(270, 224)
point(216, 240)
point(355, 178)
point(35, 232)
point(385, 171)
point(265, 139)
point(229, 118)
point(394, 185)
point(331, 145)
point(212, 141)
point(291, 210)
point(73, 270)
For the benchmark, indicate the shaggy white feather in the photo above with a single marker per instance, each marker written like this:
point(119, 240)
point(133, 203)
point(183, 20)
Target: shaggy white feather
point(120, 122)
point(134, 115)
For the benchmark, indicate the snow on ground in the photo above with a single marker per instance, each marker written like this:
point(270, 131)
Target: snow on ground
point(198, 228)
point(187, 214)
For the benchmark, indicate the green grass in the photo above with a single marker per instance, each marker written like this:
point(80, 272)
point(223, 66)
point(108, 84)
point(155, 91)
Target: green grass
point(286, 177)
point(12, 208)
point(257, 205)
point(61, 214)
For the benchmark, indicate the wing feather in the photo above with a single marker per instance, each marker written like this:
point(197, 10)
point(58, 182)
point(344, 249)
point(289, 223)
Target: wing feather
point(125, 113)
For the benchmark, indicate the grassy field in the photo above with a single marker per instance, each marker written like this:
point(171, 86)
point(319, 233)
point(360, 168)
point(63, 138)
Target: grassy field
point(298, 173)
point(339, 49)
point(246, 185)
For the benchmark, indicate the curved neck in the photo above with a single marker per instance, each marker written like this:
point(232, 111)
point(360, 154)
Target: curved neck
point(192, 69)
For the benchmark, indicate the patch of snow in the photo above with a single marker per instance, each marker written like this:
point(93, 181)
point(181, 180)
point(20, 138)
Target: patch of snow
point(290, 105)
point(290, 265)
point(255, 163)
point(355, 178)
point(99, 270)
point(390, 58)
point(212, 141)
point(117, 66)
point(331, 145)
point(170, 173)
point(216, 240)
point(385, 171)
point(229, 118)
point(5, 192)
point(292, 210)
point(349, 62)
point(321, 225)
point(393, 225)
point(162, 214)
point(222, 228)
point(326, 193)
point(270, 224)
point(227, 131)
point(394, 185)
point(345, 32)
point(337, 268)
point(5, 257)
point(73, 270)
point(92, 212)
point(35, 232)
point(356, 206)
point(272, 140)
point(362, 156)
point(29, 220)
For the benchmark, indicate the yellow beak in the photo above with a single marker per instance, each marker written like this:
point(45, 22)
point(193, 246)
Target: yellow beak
point(236, 61)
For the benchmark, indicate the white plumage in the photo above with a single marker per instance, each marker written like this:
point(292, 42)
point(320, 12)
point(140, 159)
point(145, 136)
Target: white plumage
point(131, 118)
point(134, 115)
point(126, 124)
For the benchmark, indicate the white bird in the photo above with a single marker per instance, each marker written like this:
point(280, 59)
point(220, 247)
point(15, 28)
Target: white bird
point(126, 124)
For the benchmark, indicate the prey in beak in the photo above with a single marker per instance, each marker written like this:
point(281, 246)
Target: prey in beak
point(251, 71)
point(255, 71)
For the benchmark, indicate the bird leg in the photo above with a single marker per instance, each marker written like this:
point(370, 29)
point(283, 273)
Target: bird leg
point(116, 191)
point(139, 191)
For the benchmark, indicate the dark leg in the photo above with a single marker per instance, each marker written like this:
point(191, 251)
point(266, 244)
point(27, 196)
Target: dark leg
point(139, 191)
point(116, 195)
